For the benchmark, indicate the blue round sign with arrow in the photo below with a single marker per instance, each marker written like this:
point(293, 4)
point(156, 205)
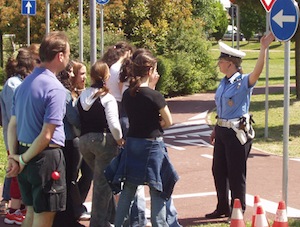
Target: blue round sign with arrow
point(102, 2)
point(284, 18)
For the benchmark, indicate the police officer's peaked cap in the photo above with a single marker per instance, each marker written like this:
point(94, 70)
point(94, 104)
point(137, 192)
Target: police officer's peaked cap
point(227, 51)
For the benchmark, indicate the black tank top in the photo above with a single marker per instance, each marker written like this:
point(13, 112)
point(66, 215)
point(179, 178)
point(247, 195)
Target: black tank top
point(93, 120)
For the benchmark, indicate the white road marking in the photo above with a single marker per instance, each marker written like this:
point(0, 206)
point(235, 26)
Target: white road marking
point(207, 156)
point(198, 142)
point(200, 116)
point(177, 130)
point(175, 147)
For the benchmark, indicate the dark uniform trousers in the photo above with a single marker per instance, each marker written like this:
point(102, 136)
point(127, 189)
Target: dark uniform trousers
point(229, 168)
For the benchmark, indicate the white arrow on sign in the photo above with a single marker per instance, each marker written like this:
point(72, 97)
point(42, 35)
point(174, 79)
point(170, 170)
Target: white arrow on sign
point(28, 6)
point(279, 18)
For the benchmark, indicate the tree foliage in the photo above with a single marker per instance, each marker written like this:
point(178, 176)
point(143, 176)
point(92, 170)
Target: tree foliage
point(213, 17)
point(166, 27)
point(63, 16)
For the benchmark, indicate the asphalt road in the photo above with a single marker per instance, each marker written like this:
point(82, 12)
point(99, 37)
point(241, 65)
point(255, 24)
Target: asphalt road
point(191, 153)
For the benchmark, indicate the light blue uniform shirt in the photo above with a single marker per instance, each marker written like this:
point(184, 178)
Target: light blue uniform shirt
point(233, 96)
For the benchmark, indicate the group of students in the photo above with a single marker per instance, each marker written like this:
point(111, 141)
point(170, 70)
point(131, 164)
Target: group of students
point(63, 136)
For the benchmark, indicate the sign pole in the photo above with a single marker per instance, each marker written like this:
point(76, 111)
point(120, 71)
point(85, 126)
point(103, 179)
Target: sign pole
point(232, 24)
point(93, 26)
point(286, 120)
point(80, 6)
point(102, 3)
point(28, 30)
point(267, 82)
point(47, 16)
point(101, 29)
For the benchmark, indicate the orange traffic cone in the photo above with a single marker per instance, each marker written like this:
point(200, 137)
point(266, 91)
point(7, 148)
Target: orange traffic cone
point(237, 219)
point(256, 203)
point(260, 219)
point(281, 216)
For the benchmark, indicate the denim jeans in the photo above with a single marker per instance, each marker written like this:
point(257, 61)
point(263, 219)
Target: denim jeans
point(158, 206)
point(172, 218)
point(98, 149)
point(138, 208)
point(137, 216)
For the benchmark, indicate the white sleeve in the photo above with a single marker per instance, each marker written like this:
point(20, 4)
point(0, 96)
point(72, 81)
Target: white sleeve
point(112, 115)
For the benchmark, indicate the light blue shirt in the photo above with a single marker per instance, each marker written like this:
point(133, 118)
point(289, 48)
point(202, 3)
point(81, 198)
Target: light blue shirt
point(233, 96)
point(40, 99)
point(6, 99)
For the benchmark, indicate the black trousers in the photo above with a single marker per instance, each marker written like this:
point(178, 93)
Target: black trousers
point(77, 189)
point(229, 168)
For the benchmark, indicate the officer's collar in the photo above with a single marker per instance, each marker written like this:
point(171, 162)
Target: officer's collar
point(235, 77)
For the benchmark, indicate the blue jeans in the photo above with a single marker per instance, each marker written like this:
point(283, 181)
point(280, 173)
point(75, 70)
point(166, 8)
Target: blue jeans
point(137, 216)
point(158, 206)
point(172, 214)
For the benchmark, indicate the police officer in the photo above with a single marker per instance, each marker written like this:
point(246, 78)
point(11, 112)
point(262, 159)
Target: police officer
point(232, 143)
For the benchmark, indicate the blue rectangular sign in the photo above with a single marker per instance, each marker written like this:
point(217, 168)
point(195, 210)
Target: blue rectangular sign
point(28, 7)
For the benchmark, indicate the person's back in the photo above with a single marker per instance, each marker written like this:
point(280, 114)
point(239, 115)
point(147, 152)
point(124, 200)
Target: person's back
point(34, 93)
point(100, 136)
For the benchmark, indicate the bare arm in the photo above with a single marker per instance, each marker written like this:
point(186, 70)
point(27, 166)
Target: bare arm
point(12, 165)
point(166, 117)
point(264, 43)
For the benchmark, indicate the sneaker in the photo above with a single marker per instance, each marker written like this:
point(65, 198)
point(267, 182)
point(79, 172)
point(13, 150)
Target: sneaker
point(23, 211)
point(14, 218)
point(85, 216)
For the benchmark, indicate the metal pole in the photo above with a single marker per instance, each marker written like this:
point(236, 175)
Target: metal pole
point(93, 31)
point(47, 16)
point(28, 30)
point(101, 25)
point(267, 83)
point(232, 25)
point(286, 120)
point(80, 30)
point(238, 26)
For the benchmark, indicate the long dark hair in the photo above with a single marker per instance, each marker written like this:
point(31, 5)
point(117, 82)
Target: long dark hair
point(141, 66)
point(64, 76)
point(113, 53)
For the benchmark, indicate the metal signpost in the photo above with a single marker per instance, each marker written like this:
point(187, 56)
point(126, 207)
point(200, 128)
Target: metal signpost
point(29, 9)
point(47, 16)
point(284, 18)
point(102, 3)
point(267, 4)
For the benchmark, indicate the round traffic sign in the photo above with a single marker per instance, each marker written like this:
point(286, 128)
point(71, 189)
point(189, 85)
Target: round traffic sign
point(102, 2)
point(284, 18)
